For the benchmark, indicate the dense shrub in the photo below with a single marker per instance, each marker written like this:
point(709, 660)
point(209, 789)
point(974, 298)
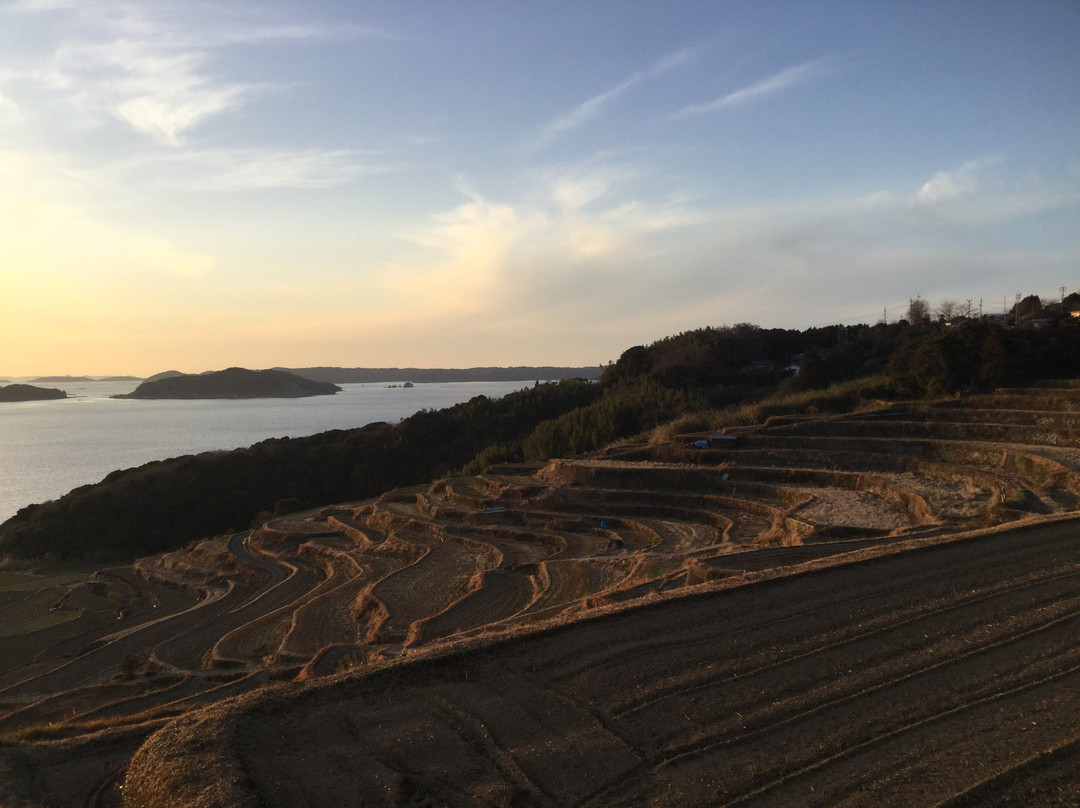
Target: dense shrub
point(628, 408)
point(978, 355)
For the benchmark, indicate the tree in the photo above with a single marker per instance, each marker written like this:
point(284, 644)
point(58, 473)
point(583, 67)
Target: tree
point(994, 370)
point(918, 312)
point(1030, 308)
point(812, 371)
point(949, 310)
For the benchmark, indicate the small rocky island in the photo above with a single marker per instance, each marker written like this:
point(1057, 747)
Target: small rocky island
point(28, 392)
point(233, 383)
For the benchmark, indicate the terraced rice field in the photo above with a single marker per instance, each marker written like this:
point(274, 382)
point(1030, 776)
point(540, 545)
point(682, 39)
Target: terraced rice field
point(879, 608)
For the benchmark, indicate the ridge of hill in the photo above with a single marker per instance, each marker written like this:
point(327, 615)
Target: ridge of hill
point(596, 630)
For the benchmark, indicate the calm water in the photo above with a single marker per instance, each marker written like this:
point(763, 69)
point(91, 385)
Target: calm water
point(49, 447)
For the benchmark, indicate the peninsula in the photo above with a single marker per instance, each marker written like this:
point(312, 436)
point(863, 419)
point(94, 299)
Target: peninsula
point(233, 383)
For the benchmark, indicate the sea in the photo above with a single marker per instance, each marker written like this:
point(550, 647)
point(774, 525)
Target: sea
point(48, 448)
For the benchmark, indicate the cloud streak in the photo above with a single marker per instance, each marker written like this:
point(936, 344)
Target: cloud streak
point(784, 80)
point(592, 107)
point(149, 67)
point(256, 168)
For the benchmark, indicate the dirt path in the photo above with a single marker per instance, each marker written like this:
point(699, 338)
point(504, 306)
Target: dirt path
point(910, 679)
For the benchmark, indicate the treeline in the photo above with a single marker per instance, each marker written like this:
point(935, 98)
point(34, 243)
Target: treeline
point(168, 503)
point(727, 368)
point(725, 365)
point(979, 355)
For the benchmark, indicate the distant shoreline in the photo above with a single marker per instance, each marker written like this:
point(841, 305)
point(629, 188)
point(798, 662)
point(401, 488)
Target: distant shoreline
point(359, 375)
point(336, 375)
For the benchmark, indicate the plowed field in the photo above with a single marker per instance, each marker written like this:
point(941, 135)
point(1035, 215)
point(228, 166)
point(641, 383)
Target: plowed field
point(948, 673)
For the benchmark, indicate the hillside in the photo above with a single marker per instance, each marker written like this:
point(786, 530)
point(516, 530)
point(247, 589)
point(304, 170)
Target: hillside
point(869, 595)
point(233, 383)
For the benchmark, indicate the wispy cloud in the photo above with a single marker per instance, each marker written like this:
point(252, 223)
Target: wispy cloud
point(9, 110)
point(948, 185)
point(564, 245)
point(113, 95)
point(150, 66)
point(592, 107)
point(460, 266)
point(784, 80)
point(34, 6)
point(258, 34)
point(589, 250)
point(254, 168)
point(572, 188)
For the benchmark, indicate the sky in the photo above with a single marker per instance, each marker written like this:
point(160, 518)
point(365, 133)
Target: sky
point(197, 185)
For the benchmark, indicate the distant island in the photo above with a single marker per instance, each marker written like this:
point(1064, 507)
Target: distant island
point(233, 383)
point(70, 379)
point(27, 392)
point(523, 373)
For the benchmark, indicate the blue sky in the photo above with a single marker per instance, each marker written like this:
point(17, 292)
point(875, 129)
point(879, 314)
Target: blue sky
point(196, 185)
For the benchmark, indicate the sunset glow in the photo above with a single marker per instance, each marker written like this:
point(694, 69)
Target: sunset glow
point(196, 185)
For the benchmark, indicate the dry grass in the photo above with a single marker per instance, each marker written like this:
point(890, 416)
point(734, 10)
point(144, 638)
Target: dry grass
point(860, 395)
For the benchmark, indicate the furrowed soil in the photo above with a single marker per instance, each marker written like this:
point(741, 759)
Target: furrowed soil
point(912, 679)
point(878, 609)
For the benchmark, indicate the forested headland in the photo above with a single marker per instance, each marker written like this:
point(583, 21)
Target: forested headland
point(29, 392)
point(233, 383)
point(701, 379)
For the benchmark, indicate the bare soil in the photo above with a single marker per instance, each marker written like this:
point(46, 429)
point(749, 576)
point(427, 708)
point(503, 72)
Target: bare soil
point(944, 673)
